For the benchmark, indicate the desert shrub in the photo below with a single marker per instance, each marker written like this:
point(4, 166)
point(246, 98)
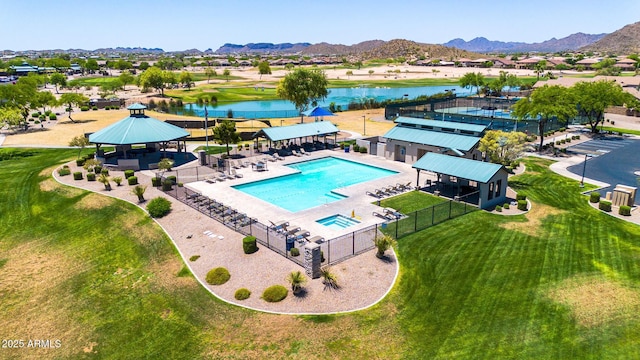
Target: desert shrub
point(522, 205)
point(356, 147)
point(80, 162)
point(94, 108)
point(521, 197)
point(84, 108)
point(35, 114)
point(156, 181)
point(37, 122)
point(77, 175)
point(322, 259)
point(158, 207)
point(275, 293)
point(117, 180)
point(625, 210)
point(295, 252)
point(218, 276)
point(506, 206)
point(498, 208)
point(53, 117)
point(132, 180)
point(363, 150)
point(167, 185)
point(194, 258)
point(594, 197)
point(172, 178)
point(104, 171)
point(91, 177)
point(249, 244)
point(605, 205)
point(329, 279)
point(242, 294)
point(97, 169)
point(64, 171)
point(107, 107)
point(128, 173)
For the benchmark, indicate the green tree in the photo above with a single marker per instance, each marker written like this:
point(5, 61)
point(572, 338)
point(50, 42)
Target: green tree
point(80, 141)
point(58, 79)
point(545, 103)
point(58, 63)
point(225, 133)
point(126, 78)
point(264, 68)
point(539, 68)
point(371, 72)
point(170, 78)
point(44, 99)
point(636, 65)
point(10, 117)
point(512, 81)
point(71, 100)
point(21, 96)
point(606, 67)
point(289, 66)
point(186, 79)
point(153, 78)
point(349, 73)
point(594, 97)
point(209, 73)
point(503, 147)
point(303, 87)
point(358, 64)
point(226, 73)
point(143, 66)
point(123, 65)
point(92, 65)
point(470, 80)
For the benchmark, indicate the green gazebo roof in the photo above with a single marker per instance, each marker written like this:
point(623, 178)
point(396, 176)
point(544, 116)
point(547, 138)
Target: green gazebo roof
point(137, 129)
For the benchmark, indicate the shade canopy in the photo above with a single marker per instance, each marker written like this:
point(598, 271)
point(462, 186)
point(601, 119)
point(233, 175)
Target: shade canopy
point(297, 131)
point(318, 111)
point(473, 170)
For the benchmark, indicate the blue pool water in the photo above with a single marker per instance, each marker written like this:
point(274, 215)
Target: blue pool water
point(338, 222)
point(314, 184)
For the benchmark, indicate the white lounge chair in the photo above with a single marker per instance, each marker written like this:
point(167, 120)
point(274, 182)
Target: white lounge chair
point(296, 153)
point(235, 174)
point(303, 152)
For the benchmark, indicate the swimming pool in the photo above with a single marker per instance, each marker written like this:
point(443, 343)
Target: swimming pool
point(314, 184)
point(338, 222)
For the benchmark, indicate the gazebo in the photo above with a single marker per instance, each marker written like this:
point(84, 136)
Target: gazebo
point(314, 130)
point(137, 129)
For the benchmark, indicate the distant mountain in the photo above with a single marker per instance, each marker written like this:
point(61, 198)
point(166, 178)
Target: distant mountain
point(569, 43)
point(130, 50)
point(406, 48)
point(262, 48)
point(339, 49)
point(623, 41)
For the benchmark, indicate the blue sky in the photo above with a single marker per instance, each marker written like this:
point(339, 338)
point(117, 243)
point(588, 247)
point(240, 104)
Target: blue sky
point(201, 24)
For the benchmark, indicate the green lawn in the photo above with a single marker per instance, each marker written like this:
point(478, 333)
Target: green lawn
point(562, 281)
point(411, 201)
point(620, 130)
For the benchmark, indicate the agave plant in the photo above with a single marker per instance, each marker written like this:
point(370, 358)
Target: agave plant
point(104, 179)
point(383, 243)
point(117, 180)
point(296, 279)
point(329, 279)
point(138, 191)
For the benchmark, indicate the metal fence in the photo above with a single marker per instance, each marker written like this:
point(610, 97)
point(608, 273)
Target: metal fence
point(333, 250)
point(427, 217)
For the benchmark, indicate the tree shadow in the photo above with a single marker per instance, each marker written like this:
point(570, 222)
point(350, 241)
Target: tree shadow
point(76, 121)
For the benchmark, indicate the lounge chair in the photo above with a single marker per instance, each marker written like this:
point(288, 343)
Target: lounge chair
point(296, 153)
point(270, 158)
point(220, 176)
point(210, 179)
point(277, 156)
point(301, 234)
point(235, 174)
point(292, 229)
point(376, 194)
point(304, 152)
point(279, 225)
point(243, 164)
point(392, 212)
point(384, 216)
point(316, 239)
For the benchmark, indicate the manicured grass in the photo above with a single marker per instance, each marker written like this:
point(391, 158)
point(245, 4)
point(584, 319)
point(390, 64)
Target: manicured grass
point(96, 81)
point(411, 201)
point(225, 93)
point(621, 130)
point(486, 286)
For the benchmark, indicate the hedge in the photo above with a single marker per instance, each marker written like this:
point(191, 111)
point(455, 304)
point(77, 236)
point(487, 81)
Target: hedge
point(521, 197)
point(218, 276)
point(522, 205)
point(77, 175)
point(594, 197)
point(156, 181)
point(249, 244)
point(158, 207)
point(128, 173)
point(91, 177)
point(242, 294)
point(167, 185)
point(625, 210)
point(605, 205)
point(132, 180)
point(295, 252)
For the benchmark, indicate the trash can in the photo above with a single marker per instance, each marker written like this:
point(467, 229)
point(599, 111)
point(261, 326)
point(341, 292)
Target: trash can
point(202, 155)
point(346, 149)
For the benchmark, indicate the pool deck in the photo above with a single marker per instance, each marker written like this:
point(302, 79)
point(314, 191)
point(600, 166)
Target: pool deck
point(357, 201)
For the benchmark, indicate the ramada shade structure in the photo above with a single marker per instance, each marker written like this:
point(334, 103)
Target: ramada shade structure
point(299, 131)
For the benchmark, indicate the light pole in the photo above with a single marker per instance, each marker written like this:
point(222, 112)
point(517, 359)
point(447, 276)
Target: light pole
point(206, 128)
point(364, 124)
point(584, 168)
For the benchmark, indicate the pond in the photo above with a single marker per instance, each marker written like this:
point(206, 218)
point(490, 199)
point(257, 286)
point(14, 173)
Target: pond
point(339, 96)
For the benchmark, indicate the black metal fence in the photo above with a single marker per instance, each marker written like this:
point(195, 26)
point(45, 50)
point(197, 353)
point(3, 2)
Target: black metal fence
point(333, 250)
point(427, 217)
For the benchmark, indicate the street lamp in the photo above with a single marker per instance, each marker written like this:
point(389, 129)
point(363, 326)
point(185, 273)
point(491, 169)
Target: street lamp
point(584, 168)
point(364, 124)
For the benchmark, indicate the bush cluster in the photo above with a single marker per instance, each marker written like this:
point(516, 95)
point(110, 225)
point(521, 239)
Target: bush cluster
point(363, 150)
point(132, 180)
point(63, 171)
point(605, 205)
point(53, 117)
point(173, 179)
point(77, 175)
point(522, 205)
point(91, 176)
point(498, 208)
point(242, 294)
point(218, 276)
point(249, 245)
point(521, 197)
point(275, 293)
point(295, 252)
point(167, 185)
point(594, 197)
point(625, 210)
point(156, 181)
point(128, 173)
point(506, 206)
point(157, 207)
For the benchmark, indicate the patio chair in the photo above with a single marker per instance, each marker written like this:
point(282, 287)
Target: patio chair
point(220, 176)
point(392, 212)
point(234, 165)
point(304, 152)
point(210, 179)
point(301, 234)
point(375, 194)
point(277, 156)
point(296, 153)
point(384, 216)
point(316, 239)
point(292, 229)
point(235, 174)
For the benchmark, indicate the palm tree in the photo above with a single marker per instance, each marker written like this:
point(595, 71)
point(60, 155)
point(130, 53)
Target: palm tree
point(383, 243)
point(138, 191)
point(540, 67)
point(296, 279)
point(104, 179)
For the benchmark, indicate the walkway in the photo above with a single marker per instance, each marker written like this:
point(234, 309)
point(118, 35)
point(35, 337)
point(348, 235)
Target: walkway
point(364, 279)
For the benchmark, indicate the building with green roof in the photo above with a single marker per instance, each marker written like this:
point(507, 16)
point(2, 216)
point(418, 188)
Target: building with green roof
point(412, 138)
